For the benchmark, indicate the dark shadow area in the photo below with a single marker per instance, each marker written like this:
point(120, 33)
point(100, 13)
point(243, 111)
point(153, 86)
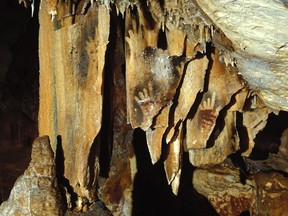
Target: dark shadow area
point(242, 131)
point(106, 132)
point(162, 40)
point(63, 182)
point(239, 162)
point(19, 90)
point(268, 140)
point(245, 213)
point(153, 196)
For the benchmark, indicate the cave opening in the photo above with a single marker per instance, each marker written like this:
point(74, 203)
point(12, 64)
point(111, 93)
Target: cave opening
point(19, 90)
point(269, 139)
point(151, 193)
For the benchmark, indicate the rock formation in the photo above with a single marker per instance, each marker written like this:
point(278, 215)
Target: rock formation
point(36, 192)
point(198, 77)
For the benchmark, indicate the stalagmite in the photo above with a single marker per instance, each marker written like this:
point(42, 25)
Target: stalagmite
point(36, 192)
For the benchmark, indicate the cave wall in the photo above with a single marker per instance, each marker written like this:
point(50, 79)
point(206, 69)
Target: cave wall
point(187, 74)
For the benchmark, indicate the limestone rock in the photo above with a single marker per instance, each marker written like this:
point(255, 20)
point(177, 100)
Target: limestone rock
point(193, 83)
point(264, 193)
point(272, 194)
point(173, 162)
point(96, 208)
point(154, 136)
point(226, 143)
point(116, 189)
point(254, 121)
point(71, 91)
point(152, 75)
point(222, 85)
point(277, 161)
point(161, 97)
point(259, 43)
point(36, 191)
point(224, 190)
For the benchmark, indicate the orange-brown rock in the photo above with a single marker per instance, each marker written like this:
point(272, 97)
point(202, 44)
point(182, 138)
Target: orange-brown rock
point(72, 59)
point(272, 194)
point(223, 188)
point(254, 121)
point(222, 85)
point(116, 187)
point(198, 104)
point(225, 143)
point(152, 75)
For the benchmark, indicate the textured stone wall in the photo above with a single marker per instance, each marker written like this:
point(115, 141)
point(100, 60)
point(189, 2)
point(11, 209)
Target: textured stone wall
point(200, 79)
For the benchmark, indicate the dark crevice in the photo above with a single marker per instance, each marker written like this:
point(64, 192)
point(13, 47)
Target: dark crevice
point(162, 40)
point(63, 182)
point(153, 196)
point(242, 132)
point(268, 140)
point(245, 213)
point(239, 162)
point(19, 93)
point(106, 143)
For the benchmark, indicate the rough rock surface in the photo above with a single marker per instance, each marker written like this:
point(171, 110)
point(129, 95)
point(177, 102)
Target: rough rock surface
point(74, 56)
point(259, 42)
point(223, 188)
point(264, 193)
point(272, 195)
point(71, 93)
point(36, 191)
point(96, 208)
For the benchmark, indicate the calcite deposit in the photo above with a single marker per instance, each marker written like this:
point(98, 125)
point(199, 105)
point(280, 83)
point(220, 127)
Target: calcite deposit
point(36, 192)
point(200, 78)
point(225, 191)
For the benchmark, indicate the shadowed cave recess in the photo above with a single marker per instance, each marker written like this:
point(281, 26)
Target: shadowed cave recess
point(150, 193)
